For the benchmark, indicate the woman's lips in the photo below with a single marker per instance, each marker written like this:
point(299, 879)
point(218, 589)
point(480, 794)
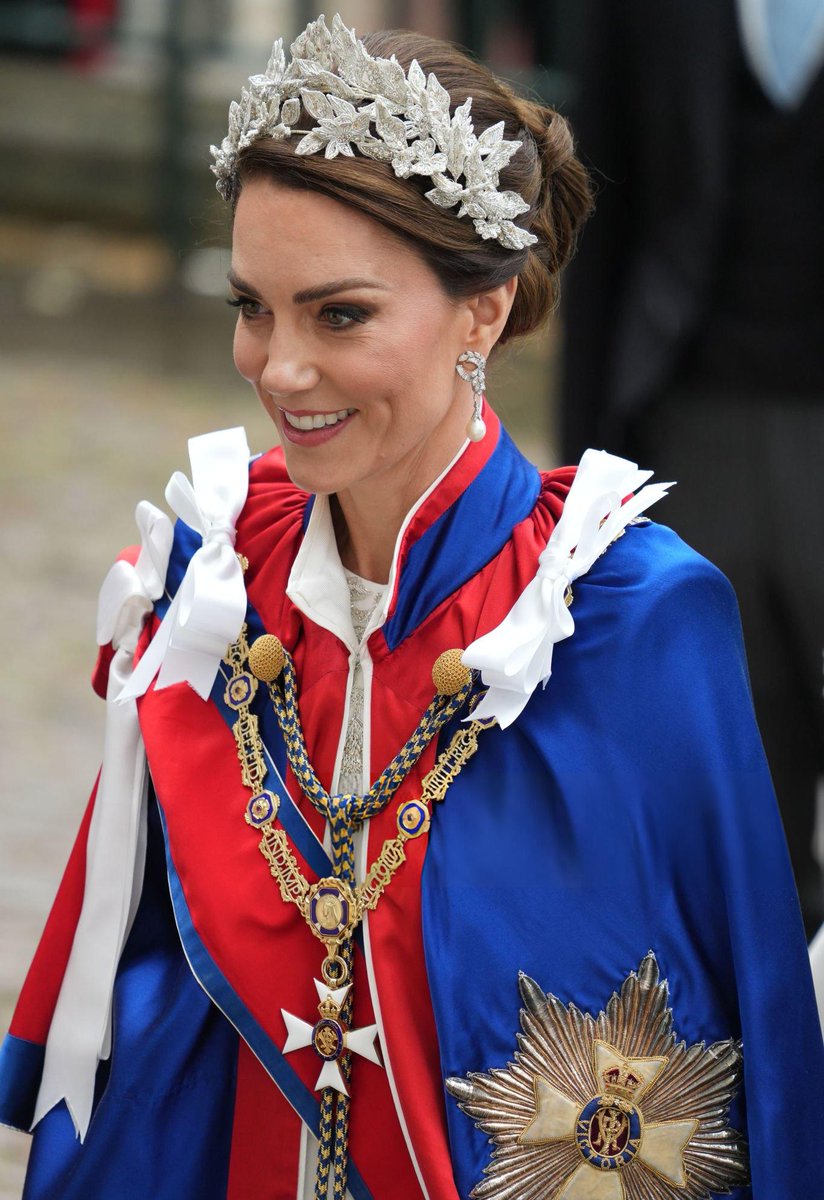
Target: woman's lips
point(312, 428)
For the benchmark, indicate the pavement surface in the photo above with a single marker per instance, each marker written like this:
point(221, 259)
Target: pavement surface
point(104, 374)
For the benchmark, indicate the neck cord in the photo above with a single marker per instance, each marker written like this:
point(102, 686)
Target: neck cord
point(333, 907)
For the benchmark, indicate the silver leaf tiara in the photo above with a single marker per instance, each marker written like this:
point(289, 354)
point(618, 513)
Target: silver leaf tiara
point(372, 105)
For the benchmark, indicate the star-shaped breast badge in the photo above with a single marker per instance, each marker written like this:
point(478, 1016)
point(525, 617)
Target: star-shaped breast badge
point(329, 1037)
point(607, 1108)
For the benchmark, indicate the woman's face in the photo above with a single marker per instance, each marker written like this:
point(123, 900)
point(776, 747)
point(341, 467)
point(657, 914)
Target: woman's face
point(349, 341)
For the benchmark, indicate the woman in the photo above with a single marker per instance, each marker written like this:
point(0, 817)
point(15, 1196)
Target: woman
point(306, 956)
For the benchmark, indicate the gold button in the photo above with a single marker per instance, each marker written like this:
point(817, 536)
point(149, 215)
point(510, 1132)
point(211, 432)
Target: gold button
point(267, 657)
point(449, 674)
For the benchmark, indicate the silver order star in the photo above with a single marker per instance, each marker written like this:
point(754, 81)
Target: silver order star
point(607, 1108)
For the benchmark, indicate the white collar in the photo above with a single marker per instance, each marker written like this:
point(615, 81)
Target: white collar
point(317, 583)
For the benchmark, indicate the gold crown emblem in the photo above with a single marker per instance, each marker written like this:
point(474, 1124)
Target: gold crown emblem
point(328, 1009)
point(619, 1080)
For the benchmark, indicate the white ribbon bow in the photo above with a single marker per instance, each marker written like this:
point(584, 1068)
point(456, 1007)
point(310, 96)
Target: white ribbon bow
point(80, 1032)
point(517, 655)
point(208, 611)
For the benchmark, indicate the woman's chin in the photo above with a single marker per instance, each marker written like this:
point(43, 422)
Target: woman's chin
point(316, 460)
point(313, 477)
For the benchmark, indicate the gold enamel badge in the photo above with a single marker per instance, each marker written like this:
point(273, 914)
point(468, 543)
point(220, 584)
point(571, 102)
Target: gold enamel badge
point(607, 1108)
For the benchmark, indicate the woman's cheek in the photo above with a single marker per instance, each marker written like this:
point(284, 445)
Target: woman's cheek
point(249, 359)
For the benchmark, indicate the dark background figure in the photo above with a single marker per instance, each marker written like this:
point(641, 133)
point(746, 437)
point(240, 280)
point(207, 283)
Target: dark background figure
point(694, 331)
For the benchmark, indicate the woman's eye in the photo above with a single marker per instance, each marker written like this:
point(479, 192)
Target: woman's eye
point(248, 308)
point(339, 316)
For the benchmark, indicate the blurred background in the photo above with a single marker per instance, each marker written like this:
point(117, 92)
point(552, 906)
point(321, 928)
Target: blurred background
point(115, 343)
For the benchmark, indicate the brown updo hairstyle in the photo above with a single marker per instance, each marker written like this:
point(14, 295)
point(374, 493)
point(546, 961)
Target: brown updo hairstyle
point(544, 171)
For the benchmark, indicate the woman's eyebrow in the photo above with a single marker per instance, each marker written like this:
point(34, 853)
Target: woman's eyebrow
point(322, 290)
point(318, 292)
point(240, 285)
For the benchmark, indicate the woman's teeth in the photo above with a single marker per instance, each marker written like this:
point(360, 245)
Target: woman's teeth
point(318, 420)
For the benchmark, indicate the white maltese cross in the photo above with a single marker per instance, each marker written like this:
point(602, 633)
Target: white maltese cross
point(329, 1037)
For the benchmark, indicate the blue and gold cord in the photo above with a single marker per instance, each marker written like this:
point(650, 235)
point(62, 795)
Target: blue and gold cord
point(345, 813)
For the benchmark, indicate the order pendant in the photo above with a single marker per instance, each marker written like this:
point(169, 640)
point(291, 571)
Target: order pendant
point(329, 1037)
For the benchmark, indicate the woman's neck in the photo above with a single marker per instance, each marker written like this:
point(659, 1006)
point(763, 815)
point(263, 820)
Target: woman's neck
point(366, 535)
point(368, 519)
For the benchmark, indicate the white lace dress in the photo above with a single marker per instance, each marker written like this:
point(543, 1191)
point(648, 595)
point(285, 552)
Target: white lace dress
point(364, 598)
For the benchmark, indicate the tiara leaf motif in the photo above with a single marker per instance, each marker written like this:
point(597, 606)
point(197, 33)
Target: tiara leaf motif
point(373, 106)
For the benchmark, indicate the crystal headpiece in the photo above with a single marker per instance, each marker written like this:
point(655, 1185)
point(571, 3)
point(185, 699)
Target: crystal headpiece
point(375, 107)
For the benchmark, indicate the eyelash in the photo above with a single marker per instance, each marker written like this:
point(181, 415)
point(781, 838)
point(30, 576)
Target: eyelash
point(353, 313)
point(242, 303)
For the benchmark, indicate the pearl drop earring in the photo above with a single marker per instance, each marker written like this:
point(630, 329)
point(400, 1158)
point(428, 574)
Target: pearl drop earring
point(476, 377)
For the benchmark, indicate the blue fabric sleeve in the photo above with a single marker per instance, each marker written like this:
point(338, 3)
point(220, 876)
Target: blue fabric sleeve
point(162, 1124)
point(21, 1065)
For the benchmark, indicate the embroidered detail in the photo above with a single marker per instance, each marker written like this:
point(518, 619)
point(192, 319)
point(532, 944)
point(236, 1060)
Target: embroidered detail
point(608, 1108)
point(364, 598)
point(351, 767)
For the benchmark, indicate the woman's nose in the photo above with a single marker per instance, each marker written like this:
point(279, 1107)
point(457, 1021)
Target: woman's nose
point(289, 368)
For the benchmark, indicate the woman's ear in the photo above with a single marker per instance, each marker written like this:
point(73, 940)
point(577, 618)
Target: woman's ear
point(490, 312)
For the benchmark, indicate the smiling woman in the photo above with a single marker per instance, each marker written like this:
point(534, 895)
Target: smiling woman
point(353, 346)
point(360, 909)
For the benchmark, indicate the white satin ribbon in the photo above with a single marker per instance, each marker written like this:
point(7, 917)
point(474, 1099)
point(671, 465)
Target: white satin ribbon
point(80, 1032)
point(208, 611)
point(517, 655)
